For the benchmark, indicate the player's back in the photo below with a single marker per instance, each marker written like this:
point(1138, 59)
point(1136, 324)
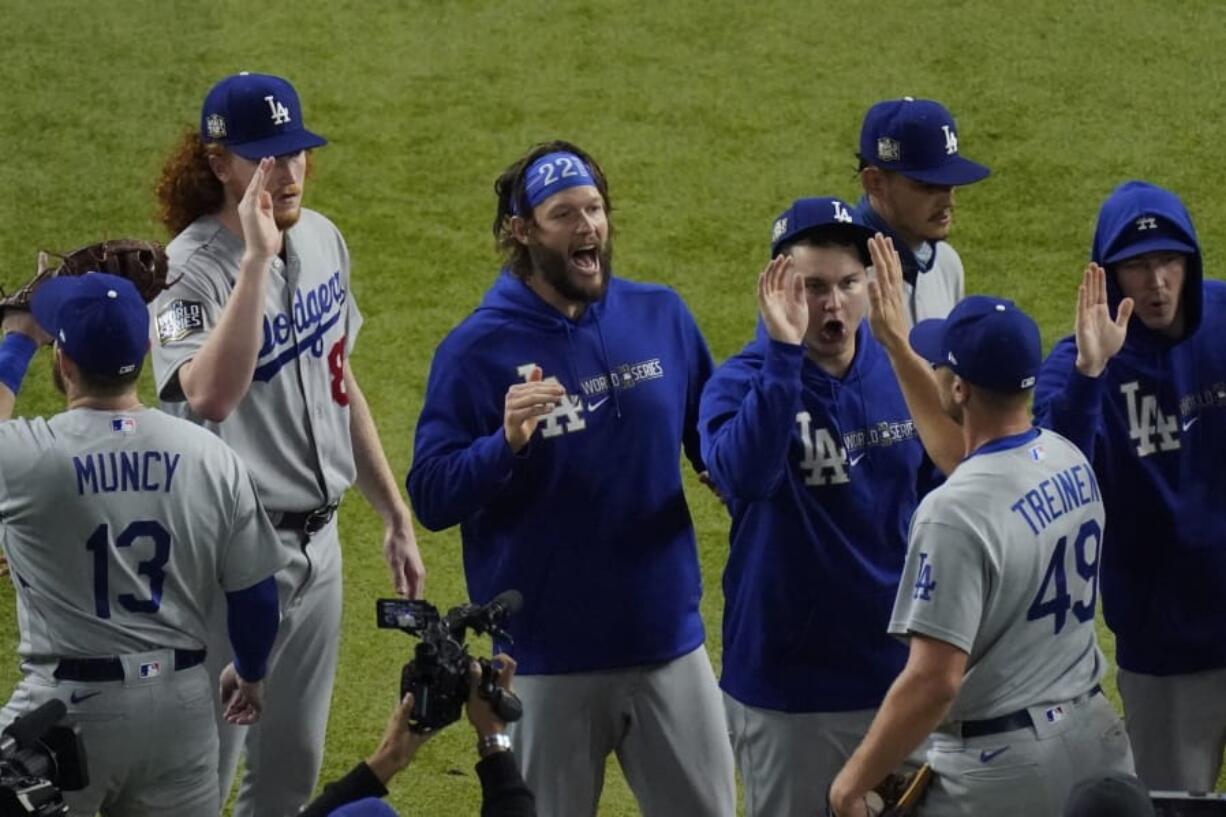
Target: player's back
point(1033, 511)
point(116, 526)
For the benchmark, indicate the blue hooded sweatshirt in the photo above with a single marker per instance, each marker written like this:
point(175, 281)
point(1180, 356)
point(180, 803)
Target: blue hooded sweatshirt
point(820, 474)
point(1154, 426)
point(588, 521)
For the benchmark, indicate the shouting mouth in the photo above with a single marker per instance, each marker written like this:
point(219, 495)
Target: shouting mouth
point(833, 332)
point(586, 259)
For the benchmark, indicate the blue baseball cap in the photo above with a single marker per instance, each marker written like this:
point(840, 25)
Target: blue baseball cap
point(256, 115)
point(366, 807)
point(830, 216)
point(99, 320)
point(987, 341)
point(1149, 233)
point(917, 138)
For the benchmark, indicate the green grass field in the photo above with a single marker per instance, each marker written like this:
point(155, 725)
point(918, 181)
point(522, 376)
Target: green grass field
point(708, 117)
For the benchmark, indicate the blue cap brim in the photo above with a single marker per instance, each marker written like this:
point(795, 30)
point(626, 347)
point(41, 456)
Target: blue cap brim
point(282, 144)
point(1160, 243)
point(928, 339)
point(954, 173)
point(855, 232)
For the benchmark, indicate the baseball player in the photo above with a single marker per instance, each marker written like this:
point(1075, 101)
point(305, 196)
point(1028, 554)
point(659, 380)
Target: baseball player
point(909, 167)
point(252, 340)
point(809, 440)
point(997, 598)
point(554, 421)
point(121, 526)
point(1143, 394)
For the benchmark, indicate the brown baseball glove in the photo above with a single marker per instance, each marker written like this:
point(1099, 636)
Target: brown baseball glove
point(901, 794)
point(141, 262)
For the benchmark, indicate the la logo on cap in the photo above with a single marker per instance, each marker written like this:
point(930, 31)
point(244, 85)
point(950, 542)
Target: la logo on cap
point(1146, 223)
point(951, 140)
point(280, 113)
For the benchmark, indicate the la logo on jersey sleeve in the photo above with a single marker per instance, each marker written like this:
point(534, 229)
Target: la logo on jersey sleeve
point(179, 319)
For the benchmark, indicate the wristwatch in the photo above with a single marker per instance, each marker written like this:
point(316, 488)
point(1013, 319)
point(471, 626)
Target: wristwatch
point(497, 742)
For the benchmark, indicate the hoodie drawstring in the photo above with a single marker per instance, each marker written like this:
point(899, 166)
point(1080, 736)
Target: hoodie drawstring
point(604, 351)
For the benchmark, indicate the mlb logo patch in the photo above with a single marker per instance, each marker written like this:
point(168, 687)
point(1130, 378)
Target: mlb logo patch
point(151, 670)
point(123, 425)
point(1055, 714)
point(1038, 453)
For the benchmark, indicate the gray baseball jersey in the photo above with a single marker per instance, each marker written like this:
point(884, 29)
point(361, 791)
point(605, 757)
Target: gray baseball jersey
point(1003, 564)
point(120, 527)
point(292, 428)
point(938, 290)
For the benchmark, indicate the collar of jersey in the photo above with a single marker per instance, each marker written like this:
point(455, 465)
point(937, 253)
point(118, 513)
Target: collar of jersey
point(1005, 443)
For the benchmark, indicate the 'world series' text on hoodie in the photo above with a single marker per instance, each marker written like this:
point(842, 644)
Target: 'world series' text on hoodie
point(1154, 426)
point(821, 479)
point(589, 521)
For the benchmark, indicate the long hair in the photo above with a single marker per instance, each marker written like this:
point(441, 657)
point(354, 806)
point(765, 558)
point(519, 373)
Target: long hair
point(188, 188)
point(512, 200)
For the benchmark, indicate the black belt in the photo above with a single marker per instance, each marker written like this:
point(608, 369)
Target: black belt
point(91, 670)
point(1014, 720)
point(307, 522)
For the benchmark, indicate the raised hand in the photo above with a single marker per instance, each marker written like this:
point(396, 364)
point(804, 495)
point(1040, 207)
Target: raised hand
point(781, 301)
point(887, 316)
point(1099, 338)
point(526, 404)
point(260, 233)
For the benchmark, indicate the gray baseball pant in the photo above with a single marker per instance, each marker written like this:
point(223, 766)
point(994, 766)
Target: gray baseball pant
point(284, 750)
point(150, 743)
point(1177, 724)
point(665, 722)
point(1030, 771)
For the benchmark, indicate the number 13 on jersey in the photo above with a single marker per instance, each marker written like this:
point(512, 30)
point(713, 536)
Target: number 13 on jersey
point(142, 531)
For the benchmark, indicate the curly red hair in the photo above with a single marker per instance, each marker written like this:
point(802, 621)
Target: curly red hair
point(188, 188)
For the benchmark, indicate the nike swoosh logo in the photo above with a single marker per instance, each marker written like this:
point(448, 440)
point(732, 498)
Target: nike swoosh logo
point(988, 757)
point(597, 404)
point(1188, 423)
point(77, 697)
point(852, 462)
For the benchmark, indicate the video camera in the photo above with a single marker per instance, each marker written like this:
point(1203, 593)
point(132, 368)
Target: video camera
point(438, 674)
point(39, 759)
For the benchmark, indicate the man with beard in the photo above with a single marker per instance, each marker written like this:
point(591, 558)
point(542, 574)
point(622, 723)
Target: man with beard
point(554, 420)
point(116, 562)
point(909, 167)
point(252, 341)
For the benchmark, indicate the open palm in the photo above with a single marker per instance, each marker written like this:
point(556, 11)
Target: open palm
point(1099, 337)
point(781, 300)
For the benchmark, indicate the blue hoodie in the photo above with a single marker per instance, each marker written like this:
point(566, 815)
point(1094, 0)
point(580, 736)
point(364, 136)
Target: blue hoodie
point(589, 521)
point(1154, 425)
point(820, 474)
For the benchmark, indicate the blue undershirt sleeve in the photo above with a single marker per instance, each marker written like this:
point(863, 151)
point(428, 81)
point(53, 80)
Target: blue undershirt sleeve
point(252, 617)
